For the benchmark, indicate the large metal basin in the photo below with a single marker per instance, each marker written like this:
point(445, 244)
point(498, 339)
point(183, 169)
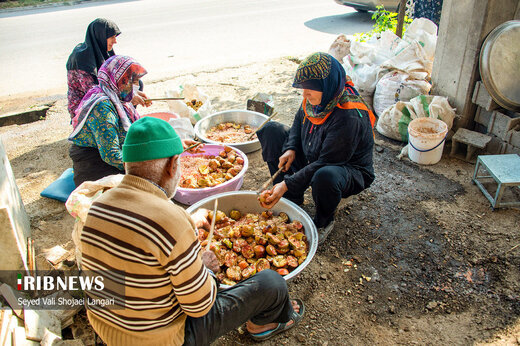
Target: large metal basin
point(246, 201)
point(241, 116)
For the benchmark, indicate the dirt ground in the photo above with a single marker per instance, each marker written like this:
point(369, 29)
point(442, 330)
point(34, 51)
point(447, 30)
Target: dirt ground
point(418, 258)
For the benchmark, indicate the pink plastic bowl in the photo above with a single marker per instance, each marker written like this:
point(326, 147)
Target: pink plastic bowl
point(162, 115)
point(190, 196)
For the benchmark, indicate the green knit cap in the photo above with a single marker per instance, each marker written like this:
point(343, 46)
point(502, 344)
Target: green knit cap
point(150, 138)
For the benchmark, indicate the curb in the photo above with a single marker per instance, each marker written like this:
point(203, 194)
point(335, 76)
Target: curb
point(43, 6)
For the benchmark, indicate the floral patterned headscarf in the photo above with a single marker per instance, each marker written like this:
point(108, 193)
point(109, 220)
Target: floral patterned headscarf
point(322, 72)
point(116, 78)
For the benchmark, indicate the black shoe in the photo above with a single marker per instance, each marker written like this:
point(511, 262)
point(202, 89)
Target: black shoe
point(323, 232)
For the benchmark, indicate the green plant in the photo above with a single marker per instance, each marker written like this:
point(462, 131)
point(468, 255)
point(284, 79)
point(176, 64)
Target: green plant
point(384, 20)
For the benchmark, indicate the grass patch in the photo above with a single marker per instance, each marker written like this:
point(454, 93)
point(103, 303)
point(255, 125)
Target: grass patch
point(24, 3)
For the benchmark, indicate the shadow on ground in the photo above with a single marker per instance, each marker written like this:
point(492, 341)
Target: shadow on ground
point(347, 23)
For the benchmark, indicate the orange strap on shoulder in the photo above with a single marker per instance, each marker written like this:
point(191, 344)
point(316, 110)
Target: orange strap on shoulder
point(361, 106)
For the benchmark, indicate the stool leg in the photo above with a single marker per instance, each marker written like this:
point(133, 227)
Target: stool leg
point(498, 196)
point(476, 171)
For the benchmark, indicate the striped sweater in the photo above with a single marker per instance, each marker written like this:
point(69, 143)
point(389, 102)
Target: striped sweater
point(146, 250)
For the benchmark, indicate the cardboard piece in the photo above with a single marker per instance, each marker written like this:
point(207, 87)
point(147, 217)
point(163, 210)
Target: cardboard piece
point(12, 299)
point(14, 221)
point(56, 255)
point(49, 338)
point(36, 321)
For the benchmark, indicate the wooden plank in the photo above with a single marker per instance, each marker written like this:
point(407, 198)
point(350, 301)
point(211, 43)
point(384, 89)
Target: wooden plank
point(5, 321)
point(20, 340)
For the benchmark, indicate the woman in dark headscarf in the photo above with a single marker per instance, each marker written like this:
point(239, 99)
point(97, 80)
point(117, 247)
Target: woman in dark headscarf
point(87, 58)
point(102, 120)
point(329, 146)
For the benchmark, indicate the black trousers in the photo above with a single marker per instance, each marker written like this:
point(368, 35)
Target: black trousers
point(329, 183)
point(263, 299)
point(88, 164)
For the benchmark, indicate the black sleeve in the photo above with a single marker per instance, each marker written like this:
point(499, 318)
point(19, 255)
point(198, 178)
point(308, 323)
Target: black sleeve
point(338, 146)
point(294, 139)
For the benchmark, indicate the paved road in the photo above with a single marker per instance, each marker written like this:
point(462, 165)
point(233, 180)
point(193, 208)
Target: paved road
point(167, 37)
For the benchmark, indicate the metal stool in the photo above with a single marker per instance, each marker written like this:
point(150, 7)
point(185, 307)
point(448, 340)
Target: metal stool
point(505, 170)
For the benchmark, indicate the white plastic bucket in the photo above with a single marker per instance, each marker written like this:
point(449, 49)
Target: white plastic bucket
point(426, 137)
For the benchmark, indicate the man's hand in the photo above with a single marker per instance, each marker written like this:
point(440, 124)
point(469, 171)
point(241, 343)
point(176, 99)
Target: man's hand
point(139, 99)
point(286, 160)
point(200, 218)
point(187, 142)
point(271, 197)
point(210, 261)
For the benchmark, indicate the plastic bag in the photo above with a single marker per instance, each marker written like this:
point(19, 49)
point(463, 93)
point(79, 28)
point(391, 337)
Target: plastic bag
point(393, 123)
point(80, 200)
point(412, 60)
point(190, 92)
point(376, 50)
point(436, 107)
point(364, 76)
point(423, 31)
point(340, 47)
point(183, 127)
point(397, 86)
point(363, 62)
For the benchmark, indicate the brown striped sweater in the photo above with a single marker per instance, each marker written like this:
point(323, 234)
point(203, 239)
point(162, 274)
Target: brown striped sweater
point(146, 250)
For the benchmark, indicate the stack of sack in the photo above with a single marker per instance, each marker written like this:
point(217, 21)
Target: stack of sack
point(387, 69)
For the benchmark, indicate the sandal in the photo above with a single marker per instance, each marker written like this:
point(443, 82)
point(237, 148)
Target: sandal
point(282, 327)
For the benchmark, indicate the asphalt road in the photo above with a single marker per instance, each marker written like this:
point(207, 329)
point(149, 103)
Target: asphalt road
point(167, 37)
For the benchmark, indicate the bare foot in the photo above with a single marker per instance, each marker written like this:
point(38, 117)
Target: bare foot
point(257, 328)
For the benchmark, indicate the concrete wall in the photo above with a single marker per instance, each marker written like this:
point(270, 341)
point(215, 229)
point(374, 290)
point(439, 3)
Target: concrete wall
point(463, 28)
point(14, 222)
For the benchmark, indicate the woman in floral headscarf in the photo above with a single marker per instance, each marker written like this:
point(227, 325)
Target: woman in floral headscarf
point(328, 147)
point(102, 120)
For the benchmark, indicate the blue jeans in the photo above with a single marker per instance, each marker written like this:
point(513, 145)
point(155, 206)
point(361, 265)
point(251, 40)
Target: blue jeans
point(329, 184)
point(263, 299)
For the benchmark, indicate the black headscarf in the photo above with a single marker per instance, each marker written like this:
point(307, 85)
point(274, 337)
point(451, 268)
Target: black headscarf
point(91, 54)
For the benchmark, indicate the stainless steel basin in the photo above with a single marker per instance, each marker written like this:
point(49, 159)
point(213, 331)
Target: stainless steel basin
point(241, 116)
point(246, 202)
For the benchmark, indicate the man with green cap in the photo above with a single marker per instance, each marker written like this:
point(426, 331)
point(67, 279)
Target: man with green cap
point(145, 248)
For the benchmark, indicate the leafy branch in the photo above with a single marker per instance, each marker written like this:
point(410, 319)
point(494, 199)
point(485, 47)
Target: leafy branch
point(384, 20)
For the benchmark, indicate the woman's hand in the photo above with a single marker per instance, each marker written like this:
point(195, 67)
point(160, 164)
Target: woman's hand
point(200, 218)
point(286, 160)
point(269, 198)
point(139, 99)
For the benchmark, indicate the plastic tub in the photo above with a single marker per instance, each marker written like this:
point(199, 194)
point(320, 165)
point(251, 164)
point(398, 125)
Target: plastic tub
point(190, 196)
point(246, 201)
point(426, 137)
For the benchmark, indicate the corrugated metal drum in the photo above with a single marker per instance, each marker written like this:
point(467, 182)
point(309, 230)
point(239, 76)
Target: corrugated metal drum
point(500, 64)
